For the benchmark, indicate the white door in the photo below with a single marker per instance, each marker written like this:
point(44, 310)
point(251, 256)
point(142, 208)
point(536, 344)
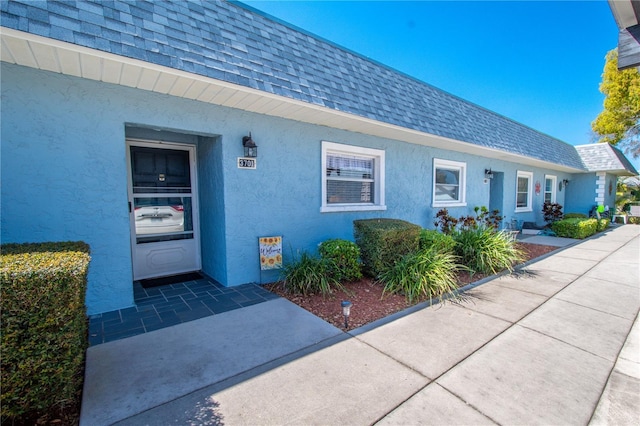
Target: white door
point(163, 206)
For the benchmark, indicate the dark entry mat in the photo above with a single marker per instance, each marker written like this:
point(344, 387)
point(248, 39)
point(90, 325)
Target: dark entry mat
point(173, 279)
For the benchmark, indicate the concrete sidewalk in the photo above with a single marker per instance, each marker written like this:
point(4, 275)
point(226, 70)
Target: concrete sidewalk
point(546, 240)
point(540, 347)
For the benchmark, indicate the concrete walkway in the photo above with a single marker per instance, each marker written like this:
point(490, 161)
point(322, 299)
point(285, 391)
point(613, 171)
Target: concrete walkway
point(546, 240)
point(541, 347)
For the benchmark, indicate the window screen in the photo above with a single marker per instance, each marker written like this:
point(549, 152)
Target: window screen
point(350, 179)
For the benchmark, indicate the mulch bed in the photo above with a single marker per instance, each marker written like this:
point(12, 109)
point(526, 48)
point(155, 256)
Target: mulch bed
point(369, 302)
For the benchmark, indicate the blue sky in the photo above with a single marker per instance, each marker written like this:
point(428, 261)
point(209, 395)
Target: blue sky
point(539, 63)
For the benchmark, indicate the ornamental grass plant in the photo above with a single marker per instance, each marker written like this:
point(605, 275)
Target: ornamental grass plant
point(429, 273)
point(486, 250)
point(309, 275)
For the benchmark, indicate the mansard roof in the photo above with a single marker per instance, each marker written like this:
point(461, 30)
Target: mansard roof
point(234, 43)
point(602, 157)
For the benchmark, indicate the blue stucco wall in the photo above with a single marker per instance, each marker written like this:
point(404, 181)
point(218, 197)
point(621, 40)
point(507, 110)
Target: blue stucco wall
point(212, 217)
point(64, 177)
point(581, 193)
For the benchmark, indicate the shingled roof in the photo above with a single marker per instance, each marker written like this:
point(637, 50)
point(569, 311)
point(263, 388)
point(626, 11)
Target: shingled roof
point(234, 43)
point(602, 157)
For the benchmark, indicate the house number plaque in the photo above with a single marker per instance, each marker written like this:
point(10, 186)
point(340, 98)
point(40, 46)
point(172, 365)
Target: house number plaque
point(246, 163)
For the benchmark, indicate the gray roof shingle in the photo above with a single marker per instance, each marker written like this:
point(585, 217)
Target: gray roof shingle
point(235, 43)
point(602, 157)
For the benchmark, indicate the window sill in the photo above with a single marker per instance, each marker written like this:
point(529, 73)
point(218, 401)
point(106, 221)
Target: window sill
point(434, 205)
point(523, 210)
point(351, 208)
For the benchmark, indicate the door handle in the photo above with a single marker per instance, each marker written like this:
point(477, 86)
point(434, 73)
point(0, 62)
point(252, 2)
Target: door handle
point(129, 206)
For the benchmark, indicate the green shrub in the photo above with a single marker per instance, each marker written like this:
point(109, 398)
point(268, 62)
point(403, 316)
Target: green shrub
point(383, 242)
point(309, 275)
point(575, 228)
point(44, 327)
point(575, 215)
point(427, 273)
point(438, 241)
point(486, 250)
point(602, 224)
point(343, 258)
point(634, 220)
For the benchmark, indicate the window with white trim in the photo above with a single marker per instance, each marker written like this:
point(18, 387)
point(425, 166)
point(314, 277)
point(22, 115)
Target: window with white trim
point(524, 193)
point(352, 178)
point(449, 183)
point(550, 185)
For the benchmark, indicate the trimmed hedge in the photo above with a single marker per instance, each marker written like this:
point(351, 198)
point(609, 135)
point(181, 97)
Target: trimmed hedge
point(44, 327)
point(575, 228)
point(383, 242)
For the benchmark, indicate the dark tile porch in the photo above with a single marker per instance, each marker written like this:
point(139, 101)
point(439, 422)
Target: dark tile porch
point(164, 306)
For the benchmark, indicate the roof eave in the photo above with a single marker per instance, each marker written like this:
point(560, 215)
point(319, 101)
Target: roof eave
point(619, 172)
point(625, 12)
point(627, 16)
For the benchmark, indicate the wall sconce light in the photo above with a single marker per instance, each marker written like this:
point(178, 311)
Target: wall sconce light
point(346, 310)
point(488, 174)
point(250, 147)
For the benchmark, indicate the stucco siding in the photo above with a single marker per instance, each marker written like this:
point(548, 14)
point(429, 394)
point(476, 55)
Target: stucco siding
point(64, 177)
point(581, 195)
point(212, 207)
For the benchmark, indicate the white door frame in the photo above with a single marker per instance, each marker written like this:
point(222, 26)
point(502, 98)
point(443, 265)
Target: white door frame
point(142, 255)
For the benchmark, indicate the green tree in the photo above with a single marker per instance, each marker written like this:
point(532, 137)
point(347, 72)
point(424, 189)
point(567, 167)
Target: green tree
point(619, 122)
point(627, 193)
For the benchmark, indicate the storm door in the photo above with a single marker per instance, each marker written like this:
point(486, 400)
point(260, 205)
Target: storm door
point(163, 208)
